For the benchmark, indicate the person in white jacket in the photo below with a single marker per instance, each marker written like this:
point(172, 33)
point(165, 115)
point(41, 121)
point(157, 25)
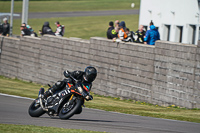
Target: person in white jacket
point(59, 30)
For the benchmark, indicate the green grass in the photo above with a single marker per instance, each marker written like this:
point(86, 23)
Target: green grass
point(144, 109)
point(18, 87)
point(22, 88)
point(73, 5)
point(82, 27)
point(9, 128)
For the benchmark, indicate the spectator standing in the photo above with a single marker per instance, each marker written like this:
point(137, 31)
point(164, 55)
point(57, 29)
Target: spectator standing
point(122, 35)
point(59, 30)
point(139, 34)
point(25, 26)
point(152, 35)
point(25, 31)
point(151, 23)
point(115, 33)
point(130, 35)
point(46, 29)
point(109, 31)
point(5, 27)
point(117, 23)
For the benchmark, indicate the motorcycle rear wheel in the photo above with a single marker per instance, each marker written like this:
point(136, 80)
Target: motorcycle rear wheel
point(67, 112)
point(35, 111)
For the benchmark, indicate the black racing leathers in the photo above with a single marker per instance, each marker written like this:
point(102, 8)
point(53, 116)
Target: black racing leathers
point(60, 85)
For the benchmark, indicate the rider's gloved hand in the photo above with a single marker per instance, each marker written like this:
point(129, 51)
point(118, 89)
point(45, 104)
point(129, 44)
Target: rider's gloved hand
point(89, 97)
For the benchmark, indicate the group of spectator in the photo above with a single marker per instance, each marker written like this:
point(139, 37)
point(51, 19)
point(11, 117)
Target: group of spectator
point(119, 31)
point(46, 29)
point(26, 30)
point(116, 31)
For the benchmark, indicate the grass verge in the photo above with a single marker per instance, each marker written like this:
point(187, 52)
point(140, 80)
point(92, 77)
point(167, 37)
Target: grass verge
point(10, 128)
point(81, 27)
point(22, 88)
point(71, 5)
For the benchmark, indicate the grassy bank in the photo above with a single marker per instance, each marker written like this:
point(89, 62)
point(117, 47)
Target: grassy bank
point(82, 27)
point(22, 88)
point(9, 128)
point(71, 5)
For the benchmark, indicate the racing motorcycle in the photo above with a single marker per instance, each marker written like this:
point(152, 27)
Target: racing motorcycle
point(64, 104)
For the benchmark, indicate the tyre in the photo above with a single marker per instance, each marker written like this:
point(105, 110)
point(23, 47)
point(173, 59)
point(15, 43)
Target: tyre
point(79, 110)
point(35, 110)
point(68, 111)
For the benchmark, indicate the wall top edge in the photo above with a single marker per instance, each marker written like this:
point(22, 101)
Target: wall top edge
point(176, 43)
point(139, 44)
point(12, 38)
point(65, 38)
point(37, 38)
point(104, 39)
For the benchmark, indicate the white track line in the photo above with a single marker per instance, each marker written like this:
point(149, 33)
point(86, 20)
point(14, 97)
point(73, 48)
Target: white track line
point(16, 96)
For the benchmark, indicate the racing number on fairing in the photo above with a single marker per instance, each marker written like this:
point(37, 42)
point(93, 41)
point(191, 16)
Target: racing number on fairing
point(65, 92)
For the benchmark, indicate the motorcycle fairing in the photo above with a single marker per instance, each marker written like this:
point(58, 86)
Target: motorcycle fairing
point(59, 98)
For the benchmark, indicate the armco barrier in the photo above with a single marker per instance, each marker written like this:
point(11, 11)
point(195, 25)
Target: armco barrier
point(165, 74)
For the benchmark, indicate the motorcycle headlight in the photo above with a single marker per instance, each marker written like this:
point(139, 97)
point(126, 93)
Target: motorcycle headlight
point(80, 89)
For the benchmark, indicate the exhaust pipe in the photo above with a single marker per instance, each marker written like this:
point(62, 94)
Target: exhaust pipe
point(41, 104)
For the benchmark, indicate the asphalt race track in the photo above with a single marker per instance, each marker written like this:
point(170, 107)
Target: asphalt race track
point(14, 110)
point(79, 13)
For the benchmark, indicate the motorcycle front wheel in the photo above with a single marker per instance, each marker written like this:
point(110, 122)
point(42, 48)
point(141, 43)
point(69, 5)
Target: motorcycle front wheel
point(35, 109)
point(68, 111)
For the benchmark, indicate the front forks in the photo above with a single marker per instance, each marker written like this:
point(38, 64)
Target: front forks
point(71, 100)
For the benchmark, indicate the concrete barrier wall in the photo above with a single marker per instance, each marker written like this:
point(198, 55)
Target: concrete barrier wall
point(196, 88)
point(164, 74)
point(174, 67)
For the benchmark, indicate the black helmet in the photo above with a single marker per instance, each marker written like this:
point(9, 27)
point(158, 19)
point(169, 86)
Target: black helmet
point(90, 74)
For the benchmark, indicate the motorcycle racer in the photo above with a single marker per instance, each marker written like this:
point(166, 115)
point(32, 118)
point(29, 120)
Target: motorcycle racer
point(86, 77)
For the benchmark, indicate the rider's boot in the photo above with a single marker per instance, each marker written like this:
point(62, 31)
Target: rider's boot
point(41, 93)
point(51, 90)
point(46, 94)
